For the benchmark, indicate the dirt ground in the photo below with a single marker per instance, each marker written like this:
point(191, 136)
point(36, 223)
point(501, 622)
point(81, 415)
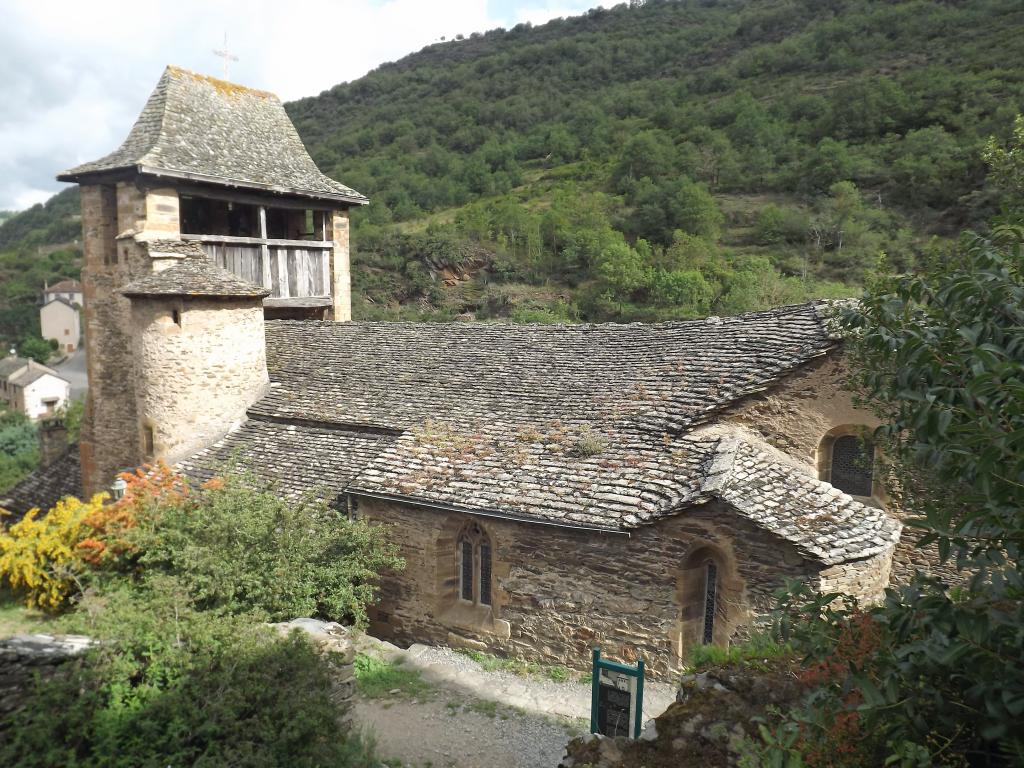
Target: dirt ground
point(445, 731)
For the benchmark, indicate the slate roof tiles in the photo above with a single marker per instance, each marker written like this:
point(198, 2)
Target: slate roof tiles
point(194, 275)
point(44, 487)
point(204, 129)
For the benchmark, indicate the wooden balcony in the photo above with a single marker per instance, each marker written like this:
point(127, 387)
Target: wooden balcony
point(295, 271)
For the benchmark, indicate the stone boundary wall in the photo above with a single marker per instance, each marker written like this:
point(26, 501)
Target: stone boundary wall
point(334, 643)
point(26, 658)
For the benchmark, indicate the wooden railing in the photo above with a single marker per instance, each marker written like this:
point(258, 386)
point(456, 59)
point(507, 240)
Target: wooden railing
point(289, 268)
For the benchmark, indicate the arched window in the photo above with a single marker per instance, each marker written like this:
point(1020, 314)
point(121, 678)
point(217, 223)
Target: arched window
point(852, 464)
point(474, 555)
point(710, 601)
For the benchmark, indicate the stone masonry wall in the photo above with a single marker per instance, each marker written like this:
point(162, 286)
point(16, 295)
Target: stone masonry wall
point(797, 414)
point(559, 591)
point(196, 379)
point(23, 659)
point(866, 579)
point(341, 278)
point(110, 434)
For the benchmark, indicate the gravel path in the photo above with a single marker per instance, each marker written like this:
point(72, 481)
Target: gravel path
point(447, 732)
point(475, 718)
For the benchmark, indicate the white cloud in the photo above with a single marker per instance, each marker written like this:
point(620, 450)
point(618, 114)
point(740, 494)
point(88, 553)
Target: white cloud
point(74, 75)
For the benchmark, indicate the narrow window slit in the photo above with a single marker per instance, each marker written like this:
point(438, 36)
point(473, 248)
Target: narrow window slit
point(710, 597)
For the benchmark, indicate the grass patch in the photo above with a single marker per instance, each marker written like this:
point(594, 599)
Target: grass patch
point(376, 679)
point(491, 663)
point(485, 708)
point(754, 652)
point(16, 619)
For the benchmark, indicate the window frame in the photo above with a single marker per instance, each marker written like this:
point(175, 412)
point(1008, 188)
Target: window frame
point(477, 540)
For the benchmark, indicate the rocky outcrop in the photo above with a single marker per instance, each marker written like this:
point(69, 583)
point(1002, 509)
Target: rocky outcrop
point(713, 715)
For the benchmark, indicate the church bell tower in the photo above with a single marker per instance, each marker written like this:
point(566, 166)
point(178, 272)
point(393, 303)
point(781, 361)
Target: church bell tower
point(212, 185)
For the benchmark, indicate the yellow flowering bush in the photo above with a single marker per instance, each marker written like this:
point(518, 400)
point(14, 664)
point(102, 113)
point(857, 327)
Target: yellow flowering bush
point(40, 555)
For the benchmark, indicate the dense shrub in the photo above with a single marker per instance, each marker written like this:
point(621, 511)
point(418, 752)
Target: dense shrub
point(174, 685)
point(19, 448)
point(933, 675)
point(237, 546)
point(40, 555)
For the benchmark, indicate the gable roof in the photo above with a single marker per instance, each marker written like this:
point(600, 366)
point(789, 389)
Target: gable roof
point(585, 426)
point(33, 374)
point(64, 286)
point(61, 300)
point(656, 378)
point(23, 371)
point(193, 275)
point(44, 487)
point(12, 364)
point(208, 130)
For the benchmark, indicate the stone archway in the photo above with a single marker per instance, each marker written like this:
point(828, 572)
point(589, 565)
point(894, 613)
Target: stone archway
point(711, 597)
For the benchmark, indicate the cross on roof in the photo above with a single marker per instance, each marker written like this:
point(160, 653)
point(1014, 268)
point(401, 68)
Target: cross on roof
point(225, 54)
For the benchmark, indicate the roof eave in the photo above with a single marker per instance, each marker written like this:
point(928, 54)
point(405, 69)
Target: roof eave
point(479, 512)
point(149, 170)
point(77, 177)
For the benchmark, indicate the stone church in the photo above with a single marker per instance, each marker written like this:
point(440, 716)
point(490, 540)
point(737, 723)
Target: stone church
point(641, 487)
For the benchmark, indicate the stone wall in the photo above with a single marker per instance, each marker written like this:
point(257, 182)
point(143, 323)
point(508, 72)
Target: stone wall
point(559, 591)
point(24, 659)
point(335, 646)
point(865, 579)
point(341, 279)
point(197, 376)
point(109, 440)
point(795, 415)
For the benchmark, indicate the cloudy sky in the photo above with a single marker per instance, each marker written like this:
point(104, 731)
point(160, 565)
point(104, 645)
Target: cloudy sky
point(74, 74)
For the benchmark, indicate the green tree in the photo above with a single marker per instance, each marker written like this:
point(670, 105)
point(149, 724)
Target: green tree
point(36, 348)
point(940, 357)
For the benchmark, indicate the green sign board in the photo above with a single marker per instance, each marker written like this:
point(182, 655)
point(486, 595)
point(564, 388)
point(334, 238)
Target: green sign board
point(617, 698)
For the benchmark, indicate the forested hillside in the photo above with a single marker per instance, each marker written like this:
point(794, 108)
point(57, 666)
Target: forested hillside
point(36, 245)
point(669, 159)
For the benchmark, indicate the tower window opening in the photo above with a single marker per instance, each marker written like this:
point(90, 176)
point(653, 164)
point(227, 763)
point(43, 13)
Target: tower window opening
point(148, 443)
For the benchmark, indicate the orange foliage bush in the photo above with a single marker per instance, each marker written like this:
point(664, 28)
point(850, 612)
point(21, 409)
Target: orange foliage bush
point(148, 485)
point(44, 557)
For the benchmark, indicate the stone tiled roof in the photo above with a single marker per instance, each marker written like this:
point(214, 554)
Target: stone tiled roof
point(11, 364)
point(297, 459)
point(44, 487)
point(654, 378)
point(174, 247)
point(596, 477)
point(194, 275)
point(204, 129)
point(33, 374)
point(62, 300)
point(583, 426)
point(822, 521)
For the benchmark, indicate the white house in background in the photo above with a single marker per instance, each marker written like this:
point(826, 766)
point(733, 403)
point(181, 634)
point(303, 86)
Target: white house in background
point(60, 320)
point(71, 290)
point(31, 387)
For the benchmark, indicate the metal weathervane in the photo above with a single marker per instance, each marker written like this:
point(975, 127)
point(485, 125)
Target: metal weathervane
point(225, 54)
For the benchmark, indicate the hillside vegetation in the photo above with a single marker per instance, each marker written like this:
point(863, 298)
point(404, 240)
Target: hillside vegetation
point(669, 159)
point(652, 161)
point(38, 245)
